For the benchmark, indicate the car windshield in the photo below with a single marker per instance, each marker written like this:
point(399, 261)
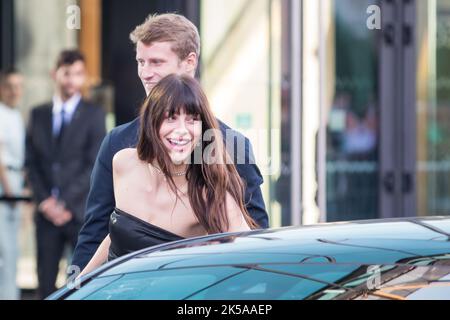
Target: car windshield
point(270, 282)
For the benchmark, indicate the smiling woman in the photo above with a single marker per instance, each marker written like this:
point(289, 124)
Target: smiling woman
point(179, 134)
point(173, 119)
point(161, 176)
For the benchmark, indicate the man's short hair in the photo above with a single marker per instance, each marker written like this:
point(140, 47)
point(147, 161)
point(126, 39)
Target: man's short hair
point(69, 57)
point(4, 74)
point(169, 27)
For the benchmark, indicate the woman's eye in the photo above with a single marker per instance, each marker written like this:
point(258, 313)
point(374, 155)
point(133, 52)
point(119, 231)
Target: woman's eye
point(193, 118)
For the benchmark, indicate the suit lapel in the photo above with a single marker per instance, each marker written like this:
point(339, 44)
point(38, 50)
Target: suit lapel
point(47, 126)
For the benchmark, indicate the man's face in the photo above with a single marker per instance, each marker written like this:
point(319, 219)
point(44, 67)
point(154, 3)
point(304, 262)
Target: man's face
point(11, 90)
point(70, 78)
point(157, 60)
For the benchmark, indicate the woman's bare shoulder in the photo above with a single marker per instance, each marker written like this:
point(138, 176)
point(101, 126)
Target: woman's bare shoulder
point(125, 159)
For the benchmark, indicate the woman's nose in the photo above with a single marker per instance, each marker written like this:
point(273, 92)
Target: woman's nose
point(181, 127)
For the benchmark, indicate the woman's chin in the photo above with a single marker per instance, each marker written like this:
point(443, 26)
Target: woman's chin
point(179, 159)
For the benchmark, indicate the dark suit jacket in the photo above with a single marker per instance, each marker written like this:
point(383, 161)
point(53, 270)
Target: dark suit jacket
point(69, 165)
point(101, 200)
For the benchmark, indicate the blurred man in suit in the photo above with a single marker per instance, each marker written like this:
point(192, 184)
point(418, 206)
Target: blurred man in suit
point(62, 142)
point(12, 145)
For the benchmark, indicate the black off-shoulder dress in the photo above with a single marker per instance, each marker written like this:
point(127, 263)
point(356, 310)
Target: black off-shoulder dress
point(129, 233)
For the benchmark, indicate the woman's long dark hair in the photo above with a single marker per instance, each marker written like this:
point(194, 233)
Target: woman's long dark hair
point(208, 183)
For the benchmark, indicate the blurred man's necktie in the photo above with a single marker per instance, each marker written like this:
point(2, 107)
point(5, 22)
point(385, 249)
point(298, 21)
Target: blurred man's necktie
point(62, 125)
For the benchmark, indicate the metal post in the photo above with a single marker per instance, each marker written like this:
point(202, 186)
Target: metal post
point(296, 111)
point(321, 141)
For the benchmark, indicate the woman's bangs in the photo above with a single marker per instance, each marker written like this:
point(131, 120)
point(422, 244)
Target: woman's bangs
point(184, 102)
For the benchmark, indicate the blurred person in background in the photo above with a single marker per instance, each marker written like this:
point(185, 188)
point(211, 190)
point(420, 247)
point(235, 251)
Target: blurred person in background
point(62, 142)
point(12, 145)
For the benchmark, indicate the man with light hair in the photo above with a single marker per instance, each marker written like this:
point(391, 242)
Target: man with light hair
point(165, 44)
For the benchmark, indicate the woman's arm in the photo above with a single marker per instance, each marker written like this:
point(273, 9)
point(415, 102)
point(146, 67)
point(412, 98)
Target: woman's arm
point(236, 219)
point(100, 257)
point(120, 164)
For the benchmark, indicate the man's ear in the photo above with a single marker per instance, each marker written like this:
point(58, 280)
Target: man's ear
point(191, 62)
point(53, 74)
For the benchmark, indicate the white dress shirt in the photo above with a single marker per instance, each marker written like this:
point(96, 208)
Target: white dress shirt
point(69, 108)
point(12, 137)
